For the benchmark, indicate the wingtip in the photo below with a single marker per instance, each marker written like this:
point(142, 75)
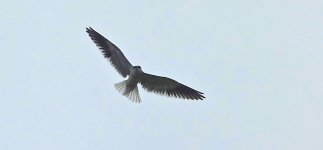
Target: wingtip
point(183, 92)
point(201, 97)
point(88, 29)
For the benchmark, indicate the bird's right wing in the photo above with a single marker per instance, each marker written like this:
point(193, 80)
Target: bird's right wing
point(168, 87)
point(111, 52)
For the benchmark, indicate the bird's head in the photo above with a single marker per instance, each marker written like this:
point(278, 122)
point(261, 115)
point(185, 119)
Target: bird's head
point(137, 68)
point(134, 67)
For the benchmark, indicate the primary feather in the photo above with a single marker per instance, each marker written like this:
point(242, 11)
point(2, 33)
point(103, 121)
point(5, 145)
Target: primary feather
point(169, 87)
point(111, 52)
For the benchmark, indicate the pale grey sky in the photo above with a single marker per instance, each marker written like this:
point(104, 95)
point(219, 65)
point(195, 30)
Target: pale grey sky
point(259, 64)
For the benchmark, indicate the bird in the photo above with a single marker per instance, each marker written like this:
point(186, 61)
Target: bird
point(151, 83)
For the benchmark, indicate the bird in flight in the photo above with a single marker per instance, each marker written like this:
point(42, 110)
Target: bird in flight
point(151, 83)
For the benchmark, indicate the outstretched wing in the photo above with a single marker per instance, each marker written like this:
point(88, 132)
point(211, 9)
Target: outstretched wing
point(169, 87)
point(111, 52)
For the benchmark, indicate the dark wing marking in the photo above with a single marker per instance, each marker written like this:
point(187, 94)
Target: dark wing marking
point(169, 87)
point(111, 52)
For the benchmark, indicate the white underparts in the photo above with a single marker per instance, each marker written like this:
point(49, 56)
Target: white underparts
point(133, 95)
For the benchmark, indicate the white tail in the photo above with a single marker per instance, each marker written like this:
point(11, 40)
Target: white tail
point(132, 95)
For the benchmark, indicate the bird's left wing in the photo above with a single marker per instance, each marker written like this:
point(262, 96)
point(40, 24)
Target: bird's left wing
point(111, 52)
point(168, 87)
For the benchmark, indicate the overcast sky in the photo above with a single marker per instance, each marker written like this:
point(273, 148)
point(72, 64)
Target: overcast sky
point(259, 63)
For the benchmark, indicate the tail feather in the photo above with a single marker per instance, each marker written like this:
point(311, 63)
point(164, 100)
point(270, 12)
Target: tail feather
point(121, 86)
point(132, 95)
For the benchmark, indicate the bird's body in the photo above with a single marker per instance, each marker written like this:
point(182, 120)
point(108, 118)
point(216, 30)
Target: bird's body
point(152, 83)
point(129, 87)
point(134, 76)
